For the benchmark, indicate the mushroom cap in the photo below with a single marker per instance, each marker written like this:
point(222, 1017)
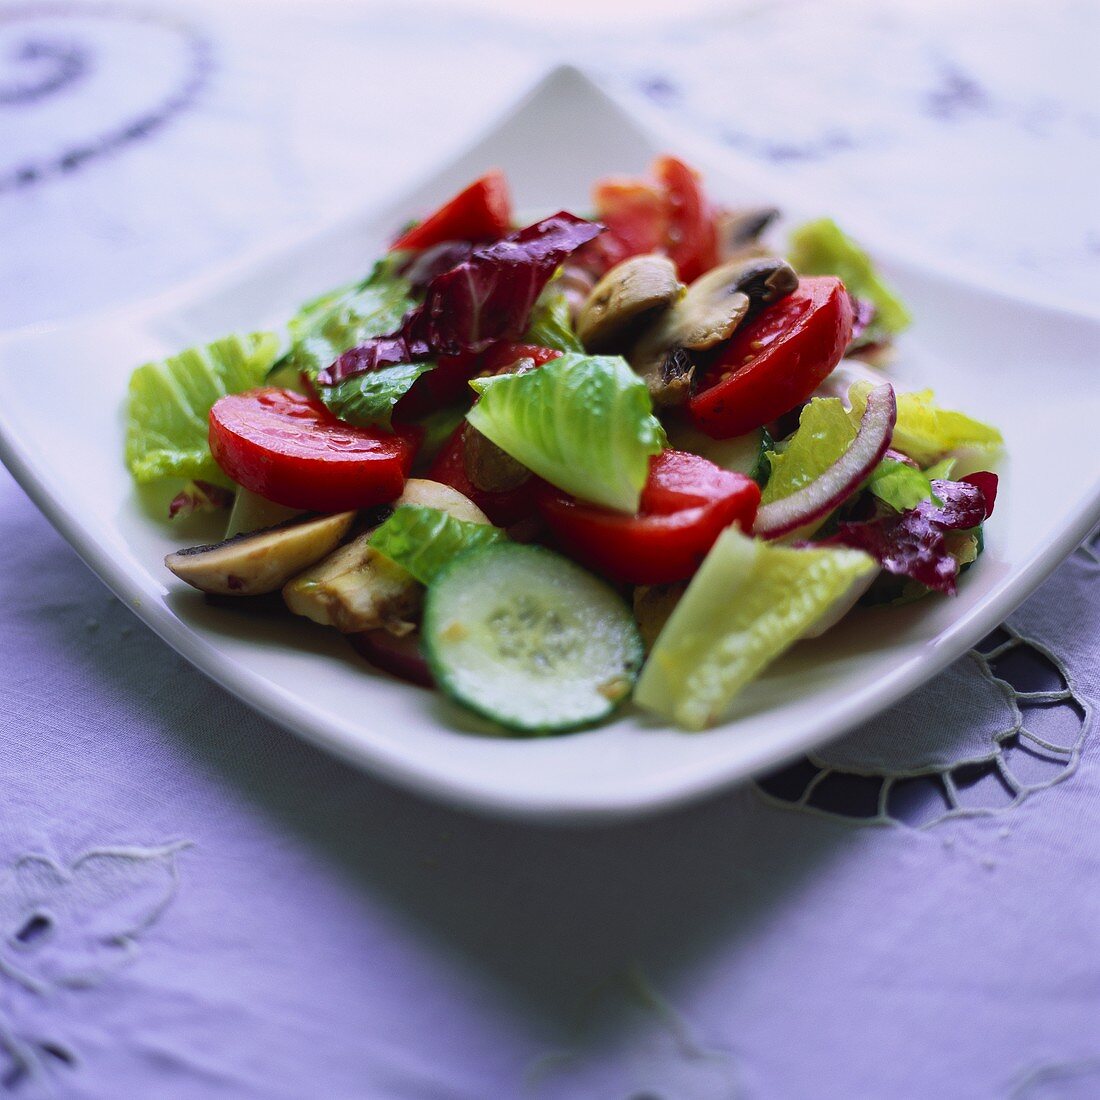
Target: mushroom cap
point(707, 314)
point(626, 294)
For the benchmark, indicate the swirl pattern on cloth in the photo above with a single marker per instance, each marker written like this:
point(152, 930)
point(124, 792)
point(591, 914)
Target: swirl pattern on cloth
point(54, 48)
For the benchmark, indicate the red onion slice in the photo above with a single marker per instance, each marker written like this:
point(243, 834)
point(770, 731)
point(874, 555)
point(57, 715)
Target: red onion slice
point(400, 657)
point(842, 479)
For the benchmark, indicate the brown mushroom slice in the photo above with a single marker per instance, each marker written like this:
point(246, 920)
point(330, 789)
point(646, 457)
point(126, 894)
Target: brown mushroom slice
point(653, 604)
point(357, 588)
point(252, 564)
point(623, 298)
point(739, 231)
point(490, 468)
point(707, 315)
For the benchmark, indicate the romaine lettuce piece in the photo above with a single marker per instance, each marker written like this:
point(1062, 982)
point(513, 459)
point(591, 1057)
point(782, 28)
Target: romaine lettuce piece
point(423, 540)
point(584, 423)
point(170, 401)
point(748, 603)
point(822, 248)
point(369, 399)
point(900, 485)
point(324, 328)
point(825, 431)
point(927, 433)
point(551, 325)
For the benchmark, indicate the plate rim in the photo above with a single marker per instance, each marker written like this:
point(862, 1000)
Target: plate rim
point(290, 711)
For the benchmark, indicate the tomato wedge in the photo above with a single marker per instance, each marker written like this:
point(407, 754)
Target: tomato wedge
point(483, 212)
point(692, 234)
point(687, 502)
point(290, 449)
point(775, 362)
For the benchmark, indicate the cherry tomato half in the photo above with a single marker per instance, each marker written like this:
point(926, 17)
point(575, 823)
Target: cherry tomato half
point(483, 212)
point(686, 504)
point(775, 362)
point(290, 449)
point(692, 235)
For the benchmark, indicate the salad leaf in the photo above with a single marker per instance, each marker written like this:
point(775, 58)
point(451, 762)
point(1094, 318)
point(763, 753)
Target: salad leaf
point(749, 602)
point(916, 544)
point(584, 423)
point(551, 325)
point(326, 327)
point(423, 540)
point(825, 431)
point(368, 399)
point(485, 298)
point(900, 485)
point(927, 433)
point(822, 248)
point(170, 402)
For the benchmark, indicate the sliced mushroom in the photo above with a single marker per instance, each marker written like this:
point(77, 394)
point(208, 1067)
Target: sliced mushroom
point(739, 231)
point(434, 494)
point(623, 298)
point(653, 604)
point(489, 467)
point(357, 588)
point(714, 305)
point(252, 564)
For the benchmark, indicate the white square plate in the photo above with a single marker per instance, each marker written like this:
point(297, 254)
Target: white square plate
point(1030, 369)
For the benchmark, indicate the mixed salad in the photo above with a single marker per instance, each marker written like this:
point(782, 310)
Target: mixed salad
point(547, 469)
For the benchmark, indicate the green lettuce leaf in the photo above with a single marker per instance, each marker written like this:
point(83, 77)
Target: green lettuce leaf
point(825, 431)
point(326, 327)
point(344, 318)
point(423, 540)
point(550, 325)
point(584, 423)
point(750, 601)
point(822, 248)
point(927, 433)
point(900, 485)
point(170, 402)
point(369, 398)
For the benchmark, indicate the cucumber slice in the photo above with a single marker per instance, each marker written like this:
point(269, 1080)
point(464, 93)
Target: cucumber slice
point(525, 637)
point(743, 454)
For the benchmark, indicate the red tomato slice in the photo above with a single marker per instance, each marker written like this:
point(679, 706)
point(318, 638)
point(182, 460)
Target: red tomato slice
point(775, 362)
point(483, 212)
point(292, 450)
point(686, 504)
point(692, 236)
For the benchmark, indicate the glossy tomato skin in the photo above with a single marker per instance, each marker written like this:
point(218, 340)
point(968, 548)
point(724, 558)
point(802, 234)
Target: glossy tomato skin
point(290, 449)
point(776, 361)
point(692, 232)
point(482, 212)
point(686, 504)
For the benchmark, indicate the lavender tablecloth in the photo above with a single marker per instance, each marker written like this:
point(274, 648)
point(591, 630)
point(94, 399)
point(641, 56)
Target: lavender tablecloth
point(193, 903)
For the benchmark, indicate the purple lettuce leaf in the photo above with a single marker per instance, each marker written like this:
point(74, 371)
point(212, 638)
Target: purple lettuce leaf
point(485, 298)
point(914, 544)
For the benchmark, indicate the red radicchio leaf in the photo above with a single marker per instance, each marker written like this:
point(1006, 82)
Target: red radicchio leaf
point(426, 265)
point(914, 544)
point(199, 496)
point(486, 298)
